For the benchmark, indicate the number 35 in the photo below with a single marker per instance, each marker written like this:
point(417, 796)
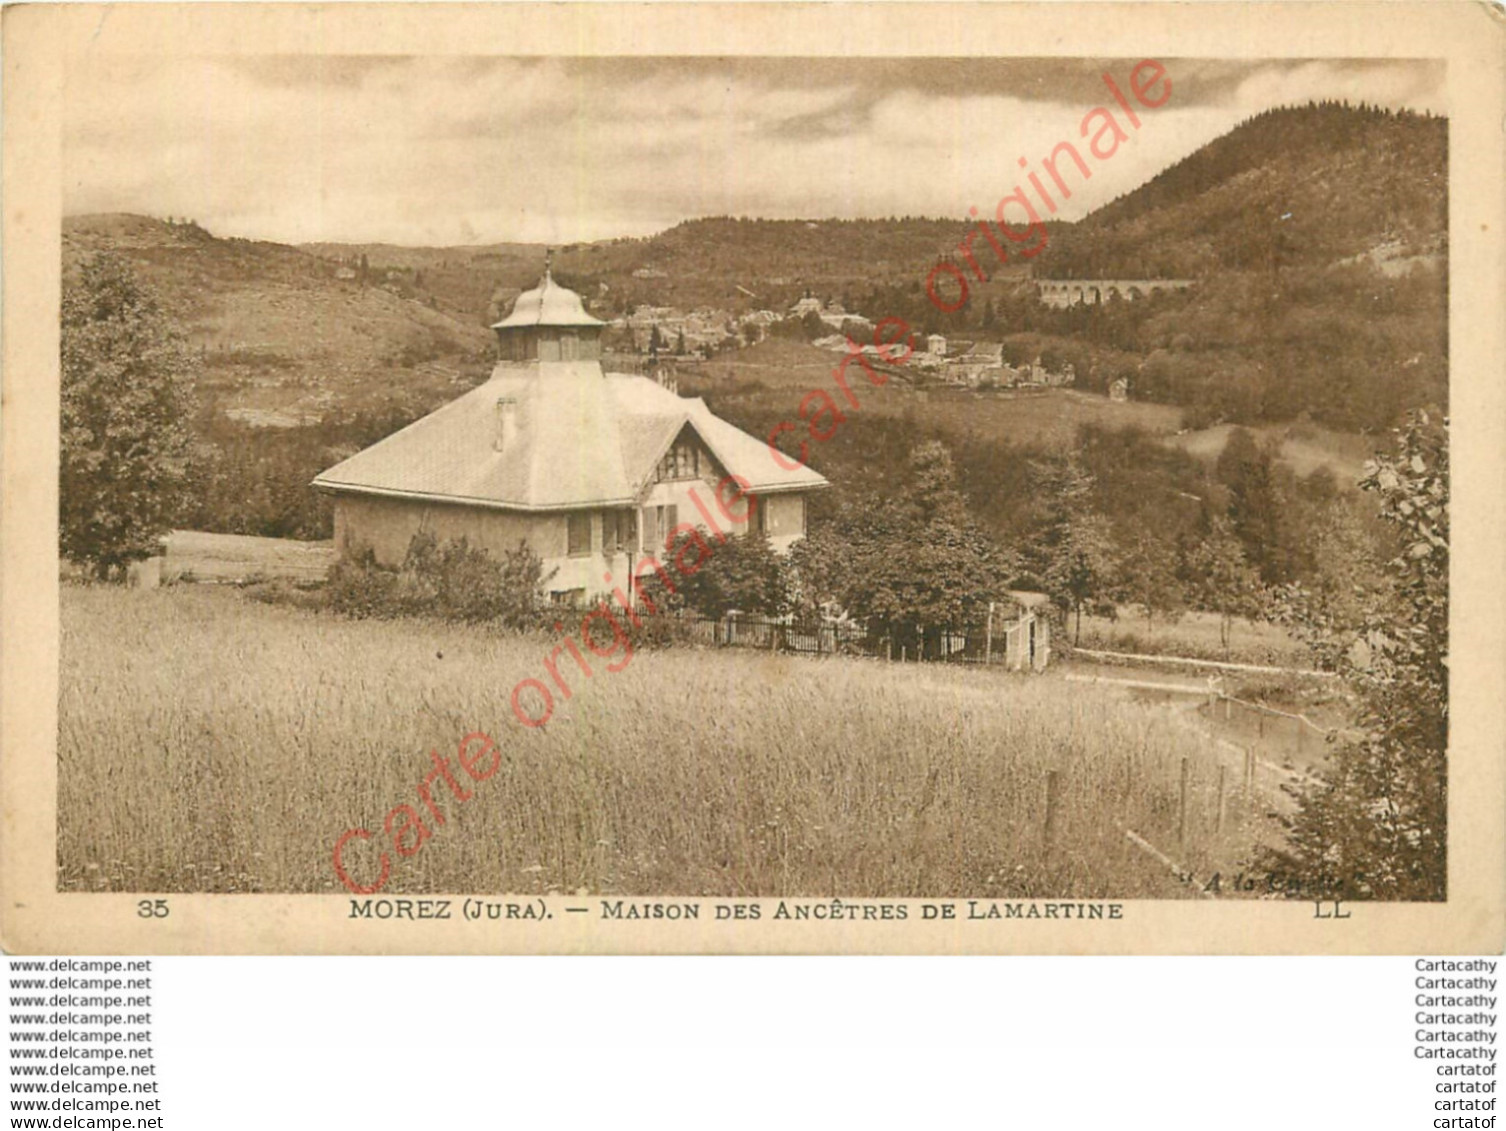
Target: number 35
point(152, 909)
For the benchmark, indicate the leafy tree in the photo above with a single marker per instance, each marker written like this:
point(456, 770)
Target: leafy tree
point(911, 564)
point(680, 344)
point(743, 573)
point(1148, 578)
point(126, 401)
point(656, 341)
point(1379, 827)
point(1070, 551)
point(1255, 503)
point(1220, 580)
point(1330, 607)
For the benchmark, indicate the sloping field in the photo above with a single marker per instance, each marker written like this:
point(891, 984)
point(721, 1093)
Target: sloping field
point(210, 743)
point(276, 329)
point(1196, 635)
point(200, 556)
point(1305, 449)
point(773, 377)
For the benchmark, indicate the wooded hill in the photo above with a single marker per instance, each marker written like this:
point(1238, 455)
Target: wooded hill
point(1294, 187)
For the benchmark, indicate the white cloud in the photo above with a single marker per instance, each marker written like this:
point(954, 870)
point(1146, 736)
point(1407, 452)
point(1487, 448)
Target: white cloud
point(436, 150)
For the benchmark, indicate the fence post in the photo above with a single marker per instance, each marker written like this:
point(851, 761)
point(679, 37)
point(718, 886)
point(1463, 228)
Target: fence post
point(1052, 787)
point(1218, 826)
point(773, 637)
point(889, 649)
point(1261, 716)
point(1249, 780)
point(1228, 708)
point(1300, 729)
point(1182, 805)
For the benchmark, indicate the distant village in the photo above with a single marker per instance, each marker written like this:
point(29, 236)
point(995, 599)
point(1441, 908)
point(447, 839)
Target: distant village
point(645, 333)
point(704, 332)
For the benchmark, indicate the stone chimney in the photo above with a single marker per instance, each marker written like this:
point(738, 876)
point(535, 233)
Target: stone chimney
point(506, 434)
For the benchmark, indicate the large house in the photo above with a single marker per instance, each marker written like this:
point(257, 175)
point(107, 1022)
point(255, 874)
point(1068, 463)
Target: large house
point(596, 471)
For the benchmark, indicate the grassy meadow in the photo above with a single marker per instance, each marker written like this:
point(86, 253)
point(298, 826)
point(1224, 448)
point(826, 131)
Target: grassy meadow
point(1195, 636)
point(772, 376)
point(211, 743)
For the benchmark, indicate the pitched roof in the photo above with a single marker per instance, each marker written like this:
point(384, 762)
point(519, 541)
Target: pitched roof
point(990, 351)
point(548, 304)
point(582, 439)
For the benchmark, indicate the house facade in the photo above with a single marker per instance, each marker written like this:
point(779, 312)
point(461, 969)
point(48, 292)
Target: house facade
point(598, 472)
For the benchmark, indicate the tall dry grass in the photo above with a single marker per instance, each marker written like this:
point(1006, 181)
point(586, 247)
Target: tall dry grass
point(209, 743)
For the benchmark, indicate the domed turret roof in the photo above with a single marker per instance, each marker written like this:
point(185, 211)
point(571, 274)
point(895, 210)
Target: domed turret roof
point(548, 304)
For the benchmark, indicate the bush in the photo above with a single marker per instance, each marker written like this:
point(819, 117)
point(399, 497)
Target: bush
point(652, 631)
point(743, 573)
point(452, 580)
point(1378, 828)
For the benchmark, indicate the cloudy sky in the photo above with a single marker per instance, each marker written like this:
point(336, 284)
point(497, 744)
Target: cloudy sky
point(432, 150)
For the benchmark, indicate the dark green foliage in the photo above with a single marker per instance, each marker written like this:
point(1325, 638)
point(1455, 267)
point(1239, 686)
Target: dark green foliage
point(1266, 195)
point(451, 580)
point(743, 573)
point(909, 565)
point(1277, 222)
point(1069, 552)
point(1218, 578)
point(249, 480)
point(1255, 504)
point(1379, 829)
point(125, 403)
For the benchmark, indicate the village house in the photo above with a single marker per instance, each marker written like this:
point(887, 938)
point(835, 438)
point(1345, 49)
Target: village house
point(595, 471)
point(807, 304)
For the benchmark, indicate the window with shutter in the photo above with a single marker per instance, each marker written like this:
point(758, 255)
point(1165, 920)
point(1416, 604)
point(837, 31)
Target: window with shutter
point(578, 533)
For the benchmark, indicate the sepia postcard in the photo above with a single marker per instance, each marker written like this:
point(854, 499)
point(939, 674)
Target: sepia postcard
point(753, 478)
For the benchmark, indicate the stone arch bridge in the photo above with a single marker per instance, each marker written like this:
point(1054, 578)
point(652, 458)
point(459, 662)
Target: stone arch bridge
point(1072, 292)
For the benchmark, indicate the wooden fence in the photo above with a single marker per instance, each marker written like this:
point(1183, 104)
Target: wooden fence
point(1219, 804)
point(832, 637)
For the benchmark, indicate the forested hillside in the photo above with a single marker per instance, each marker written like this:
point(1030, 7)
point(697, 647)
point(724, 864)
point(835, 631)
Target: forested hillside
point(1294, 187)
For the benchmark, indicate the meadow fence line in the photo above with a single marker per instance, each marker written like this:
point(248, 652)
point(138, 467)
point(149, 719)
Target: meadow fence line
point(1211, 802)
point(1194, 662)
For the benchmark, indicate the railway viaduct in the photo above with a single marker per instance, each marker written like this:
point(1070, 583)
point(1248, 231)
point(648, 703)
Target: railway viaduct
point(1071, 292)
